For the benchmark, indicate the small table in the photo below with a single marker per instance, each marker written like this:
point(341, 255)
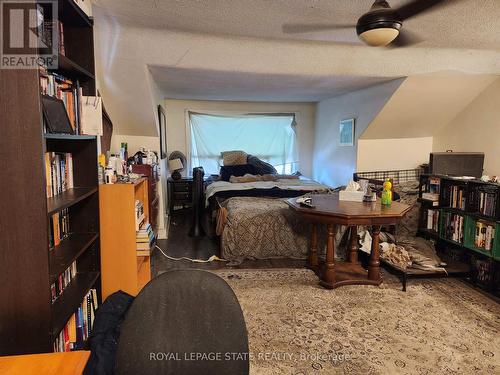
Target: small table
point(331, 211)
point(180, 193)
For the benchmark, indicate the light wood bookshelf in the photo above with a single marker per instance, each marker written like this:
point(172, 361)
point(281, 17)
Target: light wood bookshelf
point(123, 267)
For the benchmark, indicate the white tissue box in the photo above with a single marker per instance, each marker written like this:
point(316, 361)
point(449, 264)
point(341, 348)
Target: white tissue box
point(351, 196)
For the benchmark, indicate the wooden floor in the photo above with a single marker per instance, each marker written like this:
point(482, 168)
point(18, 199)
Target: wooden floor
point(180, 244)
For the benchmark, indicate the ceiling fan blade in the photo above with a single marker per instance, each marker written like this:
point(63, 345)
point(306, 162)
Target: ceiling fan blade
point(416, 7)
point(298, 28)
point(406, 38)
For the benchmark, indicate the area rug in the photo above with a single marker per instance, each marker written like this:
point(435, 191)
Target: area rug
point(296, 327)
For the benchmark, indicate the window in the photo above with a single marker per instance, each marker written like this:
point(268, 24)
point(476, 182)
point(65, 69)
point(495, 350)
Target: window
point(270, 137)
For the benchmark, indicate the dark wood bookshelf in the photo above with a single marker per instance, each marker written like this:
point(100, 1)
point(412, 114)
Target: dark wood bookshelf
point(70, 69)
point(68, 251)
point(429, 233)
point(69, 137)
point(72, 296)
point(71, 14)
point(69, 198)
point(27, 315)
point(471, 189)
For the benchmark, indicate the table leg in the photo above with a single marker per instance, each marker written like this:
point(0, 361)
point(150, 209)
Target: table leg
point(353, 245)
point(374, 263)
point(328, 278)
point(313, 251)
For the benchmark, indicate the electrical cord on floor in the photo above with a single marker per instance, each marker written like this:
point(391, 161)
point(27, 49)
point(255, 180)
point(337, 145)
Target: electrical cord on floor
point(211, 259)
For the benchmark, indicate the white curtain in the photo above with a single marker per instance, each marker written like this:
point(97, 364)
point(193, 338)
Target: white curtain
point(270, 137)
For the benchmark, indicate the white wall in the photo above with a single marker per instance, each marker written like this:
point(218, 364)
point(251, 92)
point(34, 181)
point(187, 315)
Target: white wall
point(476, 129)
point(392, 154)
point(425, 103)
point(134, 144)
point(334, 165)
point(305, 115)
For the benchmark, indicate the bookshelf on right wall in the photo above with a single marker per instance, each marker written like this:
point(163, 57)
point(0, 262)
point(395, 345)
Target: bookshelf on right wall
point(463, 217)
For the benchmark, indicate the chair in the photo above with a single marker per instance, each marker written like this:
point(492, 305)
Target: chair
point(184, 322)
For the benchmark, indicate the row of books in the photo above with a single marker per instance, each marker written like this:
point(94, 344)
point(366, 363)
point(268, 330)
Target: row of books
point(58, 86)
point(63, 280)
point(487, 203)
point(45, 28)
point(58, 227)
point(78, 328)
point(145, 237)
point(58, 173)
point(457, 196)
point(433, 220)
point(454, 227)
point(484, 236)
point(139, 215)
point(432, 189)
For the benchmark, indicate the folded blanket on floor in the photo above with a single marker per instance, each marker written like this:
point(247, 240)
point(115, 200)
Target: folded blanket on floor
point(404, 251)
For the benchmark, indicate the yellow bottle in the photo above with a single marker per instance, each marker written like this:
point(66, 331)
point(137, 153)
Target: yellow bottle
point(387, 193)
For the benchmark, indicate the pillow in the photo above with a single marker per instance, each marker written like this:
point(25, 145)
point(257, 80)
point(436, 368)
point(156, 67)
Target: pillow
point(234, 158)
point(237, 170)
point(262, 166)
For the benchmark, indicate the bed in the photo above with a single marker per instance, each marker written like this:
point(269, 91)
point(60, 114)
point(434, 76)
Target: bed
point(254, 222)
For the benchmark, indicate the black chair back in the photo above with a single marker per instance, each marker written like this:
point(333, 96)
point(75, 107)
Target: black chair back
point(184, 322)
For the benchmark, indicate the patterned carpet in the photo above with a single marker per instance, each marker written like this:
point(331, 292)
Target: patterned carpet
point(296, 327)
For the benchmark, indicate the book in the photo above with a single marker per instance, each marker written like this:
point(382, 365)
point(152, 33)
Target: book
point(484, 235)
point(58, 86)
point(454, 227)
point(59, 228)
point(58, 173)
point(434, 185)
point(430, 197)
point(63, 281)
point(457, 197)
point(139, 215)
point(145, 237)
point(433, 220)
point(79, 326)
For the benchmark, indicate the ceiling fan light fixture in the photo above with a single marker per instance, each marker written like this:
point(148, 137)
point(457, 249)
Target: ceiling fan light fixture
point(380, 26)
point(379, 37)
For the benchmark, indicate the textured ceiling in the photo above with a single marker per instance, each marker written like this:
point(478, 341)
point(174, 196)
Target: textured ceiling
point(202, 84)
point(235, 50)
point(466, 24)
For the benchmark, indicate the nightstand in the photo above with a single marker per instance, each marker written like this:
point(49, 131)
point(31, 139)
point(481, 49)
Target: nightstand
point(180, 193)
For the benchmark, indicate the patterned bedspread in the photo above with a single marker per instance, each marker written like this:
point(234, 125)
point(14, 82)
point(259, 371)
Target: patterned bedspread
point(263, 228)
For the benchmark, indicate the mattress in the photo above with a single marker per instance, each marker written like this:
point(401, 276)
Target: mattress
point(262, 228)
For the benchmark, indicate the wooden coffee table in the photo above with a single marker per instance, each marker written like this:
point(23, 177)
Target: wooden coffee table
point(332, 212)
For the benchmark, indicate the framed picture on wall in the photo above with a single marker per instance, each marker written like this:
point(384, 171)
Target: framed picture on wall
point(162, 120)
point(347, 132)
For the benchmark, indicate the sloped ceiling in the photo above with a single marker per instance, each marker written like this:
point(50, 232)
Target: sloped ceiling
point(426, 103)
point(201, 84)
point(243, 39)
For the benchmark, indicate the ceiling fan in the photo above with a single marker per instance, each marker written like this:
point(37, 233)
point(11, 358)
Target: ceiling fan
point(381, 25)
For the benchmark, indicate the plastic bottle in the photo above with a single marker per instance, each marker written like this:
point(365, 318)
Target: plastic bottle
point(387, 193)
